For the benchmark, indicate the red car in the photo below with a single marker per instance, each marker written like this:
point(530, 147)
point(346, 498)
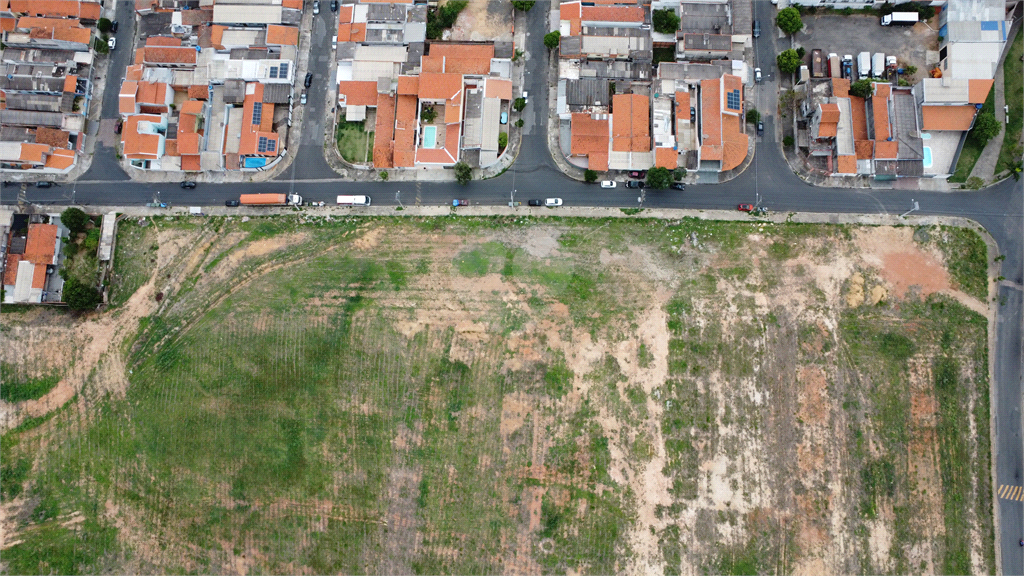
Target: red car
point(745, 208)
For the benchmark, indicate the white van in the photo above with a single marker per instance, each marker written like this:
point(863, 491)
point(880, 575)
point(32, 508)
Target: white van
point(353, 200)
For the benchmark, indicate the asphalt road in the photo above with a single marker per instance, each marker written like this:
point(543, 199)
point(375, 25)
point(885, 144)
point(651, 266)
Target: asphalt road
point(1000, 209)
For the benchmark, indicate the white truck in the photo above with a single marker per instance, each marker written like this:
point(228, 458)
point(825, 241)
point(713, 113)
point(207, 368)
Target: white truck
point(863, 65)
point(833, 65)
point(878, 65)
point(900, 19)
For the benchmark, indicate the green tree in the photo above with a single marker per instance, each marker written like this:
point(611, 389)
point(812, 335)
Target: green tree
point(985, 127)
point(74, 220)
point(800, 51)
point(590, 176)
point(523, 5)
point(1015, 167)
point(443, 17)
point(678, 174)
point(665, 21)
point(502, 140)
point(463, 173)
point(428, 114)
point(861, 88)
point(519, 123)
point(79, 296)
point(104, 25)
point(659, 178)
point(910, 69)
point(92, 240)
point(518, 104)
point(788, 61)
point(100, 46)
point(753, 115)
point(787, 141)
point(551, 39)
point(789, 20)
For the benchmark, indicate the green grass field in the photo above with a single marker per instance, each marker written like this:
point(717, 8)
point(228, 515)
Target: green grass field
point(972, 150)
point(354, 144)
point(485, 396)
point(1013, 78)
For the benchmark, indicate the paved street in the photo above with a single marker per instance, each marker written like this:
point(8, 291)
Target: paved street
point(999, 208)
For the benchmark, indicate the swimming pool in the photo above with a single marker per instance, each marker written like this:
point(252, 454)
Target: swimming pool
point(430, 136)
point(927, 157)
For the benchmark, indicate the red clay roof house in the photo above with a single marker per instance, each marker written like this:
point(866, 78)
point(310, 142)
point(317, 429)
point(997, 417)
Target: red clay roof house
point(57, 8)
point(168, 55)
point(666, 158)
point(258, 138)
point(947, 117)
point(357, 93)
point(282, 35)
point(384, 137)
point(405, 131)
point(631, 117)
point(590, 138)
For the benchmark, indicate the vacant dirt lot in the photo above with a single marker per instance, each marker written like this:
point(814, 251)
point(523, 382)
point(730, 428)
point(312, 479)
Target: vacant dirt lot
point(509, 396)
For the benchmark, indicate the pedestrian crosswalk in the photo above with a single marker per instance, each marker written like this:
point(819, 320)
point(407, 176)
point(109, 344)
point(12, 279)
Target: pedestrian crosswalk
point(1008, 492)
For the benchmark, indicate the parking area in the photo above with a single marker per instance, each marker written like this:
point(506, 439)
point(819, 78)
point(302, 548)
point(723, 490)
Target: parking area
point(856, 33)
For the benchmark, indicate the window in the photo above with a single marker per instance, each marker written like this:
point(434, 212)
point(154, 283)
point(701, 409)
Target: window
point(273, 71)
point(732, 99)
point(257, 113)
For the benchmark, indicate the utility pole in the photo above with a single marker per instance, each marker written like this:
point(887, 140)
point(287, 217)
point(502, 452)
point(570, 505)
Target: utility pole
point(914, 206)
point(398, 198)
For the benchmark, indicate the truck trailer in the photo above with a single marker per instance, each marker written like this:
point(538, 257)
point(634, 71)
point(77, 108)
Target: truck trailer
point(833, 66)
point(878, 65)
point(817, 64)
point(848, 66)
point(863, 65)
point(270, 200)
point(900, 19)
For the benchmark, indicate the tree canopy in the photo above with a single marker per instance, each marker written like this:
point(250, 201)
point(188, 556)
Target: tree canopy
point(590, 176)
point(551, 39)
point(788, 61)
point(463, 173)
point(523, 5)
point(986, 127)
point(79, 296)
point(789, 20)
point(861, 88)
point(665, 21)
point(659, 178)
point(74, 219)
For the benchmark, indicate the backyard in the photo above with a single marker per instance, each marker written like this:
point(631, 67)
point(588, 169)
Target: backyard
point(304, 394)
point(355, 144)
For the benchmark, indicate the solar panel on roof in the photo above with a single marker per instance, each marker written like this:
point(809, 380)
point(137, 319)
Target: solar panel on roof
point(273, 71)
point(732, 99)
point(283, 73)
point(271, 145)
point(262, 145)
point(257, 113)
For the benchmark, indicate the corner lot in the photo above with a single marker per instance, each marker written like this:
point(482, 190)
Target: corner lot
point(862, 33)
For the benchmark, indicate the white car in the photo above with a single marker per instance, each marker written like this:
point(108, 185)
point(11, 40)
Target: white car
point(526, 96)
point(607, 183)
point(302, 99)
point(757, 75)
point(550, 202)
point(316, 7)
point(112, 43)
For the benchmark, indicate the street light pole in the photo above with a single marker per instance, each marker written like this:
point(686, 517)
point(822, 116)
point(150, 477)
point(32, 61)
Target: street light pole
point(398, 198)
point(914, 206)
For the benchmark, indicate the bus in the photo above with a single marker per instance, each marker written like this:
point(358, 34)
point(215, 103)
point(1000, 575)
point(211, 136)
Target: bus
point(353, 200)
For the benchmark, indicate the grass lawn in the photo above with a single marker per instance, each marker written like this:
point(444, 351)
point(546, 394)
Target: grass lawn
point(972, 150)
point(1014, 85)
point(664, 55)
point(354, 144)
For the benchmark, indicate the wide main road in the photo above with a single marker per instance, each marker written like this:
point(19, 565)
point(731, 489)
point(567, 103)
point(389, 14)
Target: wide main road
point(1000, 209)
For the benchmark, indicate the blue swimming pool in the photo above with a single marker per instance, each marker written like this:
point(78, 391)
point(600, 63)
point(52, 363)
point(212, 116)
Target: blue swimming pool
point(927, 157)
point(430, 136)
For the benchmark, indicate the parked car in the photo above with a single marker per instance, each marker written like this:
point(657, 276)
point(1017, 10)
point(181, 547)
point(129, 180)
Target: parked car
point(526, 96)
point(112, 43)
point(458, 202)
point(113, 27)
point(757, 28)
point(504, 117)
point(188, 184)
point(551, 202)
point(757, 75)
point(302, 99)
point(638, 173)
point(120, 125)
point(535, 202)
point(678, 186)
point(760, 128)
point(231, 203)
point(316, 7)
point(334, 5)
point(693, 113)
point(745, 207)
point(607, 183)
point(309, 79)
point(635, 184)
point(44, 184)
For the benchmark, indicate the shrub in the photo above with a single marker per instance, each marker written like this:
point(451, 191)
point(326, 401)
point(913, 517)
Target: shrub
point(428, 114)
point(519, 104)
point(74, 220)
point(974, 183)
point(910, 69)
point(519, 123)
point(551, 39)
point(79, 296)
point(100, 46)
point(788, 61)
point(384, 175)
point(502, 140)
point(590, 176)
point(104, 25)
point(861, 88)
point(92, 239)
point(801, 52)
point(789, 20)
point(463, 173)
point(753, 115)
point(665, 21)
point(787, 141)
point(659, 178)
point(523, 5)
point(986, 127)
point(443, 17)
point(678, 174)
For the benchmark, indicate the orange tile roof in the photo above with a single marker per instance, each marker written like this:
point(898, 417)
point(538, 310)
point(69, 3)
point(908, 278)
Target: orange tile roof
point(133, 73)
point(827, 130)
point(191, 163)
point(57, 8)
point(251, 133)
point(731, 83)
point(683, 106)
point(33, 152)
point(11, 269)
point(293, 4)
point(859, 117)
point(882, 89)
point(598, 161)
point(199, 92)
point(140, 56)
point(440, 86)
point(846, 164)
point(40, 243)
point(711, 115)
point(61, 159)
point(358, 93)
point(282, 35)
point(217, 36)
point(352, 32)
point(126, 98)
point(408, 85)
point(947, 117)
point(432, 64)
point(345, 14)
point(384, 138)
point(631, 114)
point(140, 146)
point(841, 87)
point(734, 148)
point(152, 93)
point(464, 58)
point(612, 14)
point(588, 135)
point(71, 83)
point(39, 277)
point(52, 137)
point(8, 24)
point(163, 41)
point(171, 147)
point(886, 149)
point(880, 112)
point(405, 131)
point(865, 149)
point(192, 107)
point(666, 158)
point(499, 88)
point(711, 152)
point(829, 112)
point(51, 24)
point(452, 112)
point(169, 55)
point(79, 35)
point(977, 90)
point(571, 11)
